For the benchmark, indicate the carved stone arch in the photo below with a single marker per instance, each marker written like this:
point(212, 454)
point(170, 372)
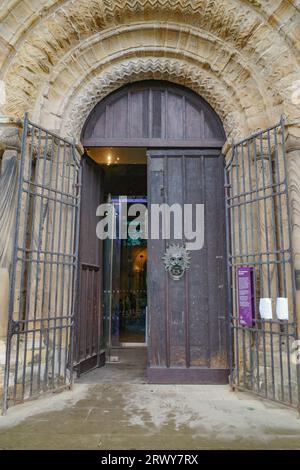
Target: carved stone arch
point(77, 106)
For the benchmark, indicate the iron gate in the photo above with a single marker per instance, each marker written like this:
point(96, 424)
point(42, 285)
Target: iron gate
point(259, 237)
point(44, 271)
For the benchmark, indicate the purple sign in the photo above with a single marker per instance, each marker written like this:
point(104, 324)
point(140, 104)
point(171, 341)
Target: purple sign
point(245, 296)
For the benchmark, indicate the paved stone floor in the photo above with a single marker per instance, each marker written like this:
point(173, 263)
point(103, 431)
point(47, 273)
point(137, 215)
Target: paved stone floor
point(114, 408)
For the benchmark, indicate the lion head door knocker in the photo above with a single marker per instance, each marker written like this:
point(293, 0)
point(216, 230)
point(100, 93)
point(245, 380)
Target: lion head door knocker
point(177, 261)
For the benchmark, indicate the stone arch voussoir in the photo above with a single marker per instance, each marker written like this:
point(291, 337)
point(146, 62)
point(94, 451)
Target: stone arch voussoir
point(74, 113)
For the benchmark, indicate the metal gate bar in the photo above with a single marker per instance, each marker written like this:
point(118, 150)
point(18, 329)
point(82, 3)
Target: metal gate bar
point(45, 266)
point(259, 236)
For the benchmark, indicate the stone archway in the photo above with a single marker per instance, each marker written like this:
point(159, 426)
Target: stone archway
point(186, 334)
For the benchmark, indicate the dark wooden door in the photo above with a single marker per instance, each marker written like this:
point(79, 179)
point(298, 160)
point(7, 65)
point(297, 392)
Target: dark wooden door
point(186, 317)
point(89, 352)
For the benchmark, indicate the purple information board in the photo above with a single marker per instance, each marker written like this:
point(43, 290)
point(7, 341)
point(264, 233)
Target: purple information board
point(245, 296)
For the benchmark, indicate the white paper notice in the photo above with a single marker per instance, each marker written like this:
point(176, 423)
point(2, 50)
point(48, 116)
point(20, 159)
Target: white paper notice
point(282, 308)
point(265, 308)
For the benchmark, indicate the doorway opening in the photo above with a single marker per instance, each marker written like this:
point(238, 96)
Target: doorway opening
point(186, 320)
point(124, 258)
point(125, 283)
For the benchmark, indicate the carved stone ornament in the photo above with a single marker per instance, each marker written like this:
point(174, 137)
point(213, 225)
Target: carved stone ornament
point(10, 131)
point(177, 261)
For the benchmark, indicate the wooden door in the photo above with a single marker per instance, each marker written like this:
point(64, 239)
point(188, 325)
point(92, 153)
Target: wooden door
point(89, 348)
point(153, 113)
point(186, 317)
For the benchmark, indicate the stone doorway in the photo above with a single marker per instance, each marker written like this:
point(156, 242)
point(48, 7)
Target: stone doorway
point(186, 325)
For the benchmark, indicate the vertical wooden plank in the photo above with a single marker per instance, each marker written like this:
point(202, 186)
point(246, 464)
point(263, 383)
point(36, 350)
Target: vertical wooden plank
point(216, 259)
point(197, 288)
point(136, 107)
point(222, 278)
point(157, 114)
point(146, 113)
point(176, 291)
point(120, 116)
point(156, 277)
point(186, 278)
point(99, 129)
point(213, 233)
point(193, 122)
point(175, 116)
point(108, 121)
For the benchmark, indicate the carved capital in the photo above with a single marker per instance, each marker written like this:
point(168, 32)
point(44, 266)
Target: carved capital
point(10, 134)
point(41, 149)
point(292, 137)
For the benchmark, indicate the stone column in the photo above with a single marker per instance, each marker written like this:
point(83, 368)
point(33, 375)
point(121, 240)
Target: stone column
point(267, 227)
point(293, 169)
point(9, 147)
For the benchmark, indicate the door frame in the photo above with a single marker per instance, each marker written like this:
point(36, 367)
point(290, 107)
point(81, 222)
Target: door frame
point(154, 114)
